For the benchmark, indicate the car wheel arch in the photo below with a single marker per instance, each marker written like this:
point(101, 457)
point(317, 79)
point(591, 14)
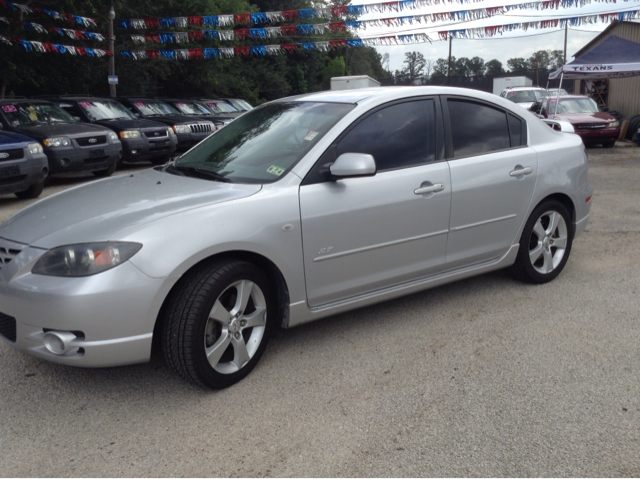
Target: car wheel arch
point(267, 266)
point(563, 199)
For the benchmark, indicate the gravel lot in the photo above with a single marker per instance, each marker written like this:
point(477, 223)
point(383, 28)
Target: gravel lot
point(485, 377)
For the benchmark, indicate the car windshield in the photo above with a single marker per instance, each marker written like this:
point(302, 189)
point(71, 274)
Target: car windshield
point(22, 114)
point(574, 105)
point(105, 110)
point(556, 91)
point(263, 144)
point(221, 107)
point(526, 96)
point(240, 105)
point(149, 108)
point(190, 108)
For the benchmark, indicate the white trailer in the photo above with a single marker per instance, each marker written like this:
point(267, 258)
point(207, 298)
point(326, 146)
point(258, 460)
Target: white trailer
point(500, 84)
point(353, 82)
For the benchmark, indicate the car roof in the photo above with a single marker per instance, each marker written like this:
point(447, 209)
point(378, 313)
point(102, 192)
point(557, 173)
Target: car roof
point(565, 97)
point(521, 88)
point(22, 100)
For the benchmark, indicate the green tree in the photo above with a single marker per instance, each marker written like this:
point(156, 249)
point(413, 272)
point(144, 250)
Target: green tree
point(494, 68)
point(414, 65)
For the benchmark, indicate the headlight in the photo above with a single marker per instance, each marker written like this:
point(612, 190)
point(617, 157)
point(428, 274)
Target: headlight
point(84, 259)
point(58, 141)
point(613, 124)
point(130, 134)
point(112, 136)
point(35, 148)
point(171, 132)
point(181, 128)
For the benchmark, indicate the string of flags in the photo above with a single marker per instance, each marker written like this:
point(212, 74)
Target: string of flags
point(264, 50)
point(84, 21)
point(43, 47)
point(73, 34)
point(260, 18)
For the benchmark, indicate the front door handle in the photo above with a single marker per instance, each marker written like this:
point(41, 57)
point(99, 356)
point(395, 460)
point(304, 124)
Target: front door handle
point(527, 170)
point(429, 189)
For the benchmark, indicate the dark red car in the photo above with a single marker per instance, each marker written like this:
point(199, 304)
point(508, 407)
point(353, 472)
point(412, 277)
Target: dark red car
point(591, 124)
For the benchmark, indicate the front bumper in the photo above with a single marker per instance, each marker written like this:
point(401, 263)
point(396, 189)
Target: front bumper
point(79, 158)
point(188, 140)
point(143, 149)
point(111, 313)
point(32, 169)
point(598, 135)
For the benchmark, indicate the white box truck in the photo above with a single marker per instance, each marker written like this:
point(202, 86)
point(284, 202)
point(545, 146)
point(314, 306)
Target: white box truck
point(500, 84)
point(353, 82)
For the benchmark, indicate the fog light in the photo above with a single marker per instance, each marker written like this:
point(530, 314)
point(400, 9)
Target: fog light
point(134, 152)
point(64, 162)
point(58, 342)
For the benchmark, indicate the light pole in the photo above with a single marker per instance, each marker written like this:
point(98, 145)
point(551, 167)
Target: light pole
point(112, 60)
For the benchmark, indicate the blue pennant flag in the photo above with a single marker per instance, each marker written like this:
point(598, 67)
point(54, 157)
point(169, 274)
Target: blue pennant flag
point(210, 20)
point(90, 52)
point(167, 37)
point(91, 35)
point(257, 18)
point(307, 46)
point(167, 54)
point(258, 33)
point(258, 51)
point(60, 48)
point(355, 25)
point(27, 45)
point(356, 10)
point(123, 23)
point(51, 13)
point(167, 22)
point(305, 29)
point(211, 53)
point(78, 19)
point(407, 4)
point(211, 34)
point(458, 33)
point(355, 42)
point(406, 38)
point(307, 13)
point(408, 20)
point(126, 54)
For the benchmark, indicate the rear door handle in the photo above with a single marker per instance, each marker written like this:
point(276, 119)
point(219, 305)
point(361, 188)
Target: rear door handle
point(429, 189)
point(527, 170)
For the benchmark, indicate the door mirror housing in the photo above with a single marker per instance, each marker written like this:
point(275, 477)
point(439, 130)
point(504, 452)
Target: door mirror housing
point(350, 165)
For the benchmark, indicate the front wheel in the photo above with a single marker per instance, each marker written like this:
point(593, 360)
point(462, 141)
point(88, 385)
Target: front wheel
point(33, 191)
point(609, 144)
point(545, 244)
point(217, 323)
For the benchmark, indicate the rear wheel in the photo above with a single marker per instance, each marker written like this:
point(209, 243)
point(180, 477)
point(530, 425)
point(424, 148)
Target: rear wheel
point(33, 191)
point(217, 323)
point(609, 144)
point(545, 244)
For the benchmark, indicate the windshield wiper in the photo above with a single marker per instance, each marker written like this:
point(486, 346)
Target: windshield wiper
point(171, 169)
point(202, 173)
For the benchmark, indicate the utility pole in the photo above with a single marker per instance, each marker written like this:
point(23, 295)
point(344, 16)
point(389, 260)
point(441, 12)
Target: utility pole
point(564, 61)
point(112, 60)
point(449, 64)
point(537, 77)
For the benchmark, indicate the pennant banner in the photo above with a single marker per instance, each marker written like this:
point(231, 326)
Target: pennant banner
point(73, 34)
point(66, 17)
point(342, 12)
point(31, 46)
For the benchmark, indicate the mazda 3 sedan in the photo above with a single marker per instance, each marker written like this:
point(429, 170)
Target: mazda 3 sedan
point(299, 209)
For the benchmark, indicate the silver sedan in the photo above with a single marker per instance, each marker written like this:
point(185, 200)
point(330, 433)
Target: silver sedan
point(300, 209)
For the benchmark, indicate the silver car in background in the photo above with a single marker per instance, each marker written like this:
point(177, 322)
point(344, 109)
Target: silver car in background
point(300, 209)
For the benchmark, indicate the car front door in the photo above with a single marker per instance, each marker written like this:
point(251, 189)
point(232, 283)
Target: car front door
point(493, 175)
point(369, 233)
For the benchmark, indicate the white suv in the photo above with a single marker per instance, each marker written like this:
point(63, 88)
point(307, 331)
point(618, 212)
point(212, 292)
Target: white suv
point(524, 96)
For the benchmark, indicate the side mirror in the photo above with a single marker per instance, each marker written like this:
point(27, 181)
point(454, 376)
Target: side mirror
point(137, 115)
point(350, 165)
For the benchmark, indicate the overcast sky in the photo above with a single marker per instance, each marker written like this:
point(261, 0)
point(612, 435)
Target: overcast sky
point(517, 43)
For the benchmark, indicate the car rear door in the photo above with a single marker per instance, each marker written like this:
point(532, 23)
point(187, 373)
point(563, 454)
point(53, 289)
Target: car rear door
point(493, 175)
point(368, 233)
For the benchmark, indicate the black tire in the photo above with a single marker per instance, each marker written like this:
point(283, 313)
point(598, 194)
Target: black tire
point(106, 172)
point(609, 144)
point(545, 266)
point(190, 328)
point(33, 191)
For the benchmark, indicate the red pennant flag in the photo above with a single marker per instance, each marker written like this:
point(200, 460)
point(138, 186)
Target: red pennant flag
point(196, 53)
point(242, 51)
point(152, 23)
point(289, 47)
point(152, 54)
point(338, 27)
point(289, 30)
point(81, 51)
point(290, 15)
point(338, 43)
point(195, 21)
point(242, 19)
point(196, 35)
point(152, 37)
point(339, 11)
point(242, 33)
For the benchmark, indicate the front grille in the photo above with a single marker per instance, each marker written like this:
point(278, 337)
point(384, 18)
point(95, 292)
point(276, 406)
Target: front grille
point(7, 253)
point(86, 141)
point(200, 128)
point(16, 154)
point(590, 126)
point(156, 134)
point(8, 327)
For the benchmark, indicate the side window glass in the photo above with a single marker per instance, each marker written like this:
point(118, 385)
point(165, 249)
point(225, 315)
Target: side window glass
point(398, 136)
point(515, 130)
point(477, 128)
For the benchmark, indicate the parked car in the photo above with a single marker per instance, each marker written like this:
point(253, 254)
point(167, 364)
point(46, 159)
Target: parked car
point(238, 104)
point(221, 107)
point(142, 140)
point(68, 144)
point(300, 209)
point(189, 130)
point(591, 124)
point(524, 96)
point(23, 165)
point(200, 110)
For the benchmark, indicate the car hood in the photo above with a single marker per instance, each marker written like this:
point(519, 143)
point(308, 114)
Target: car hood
point(46, 130)
point(597, 117)
point(115, 207)
point(526, 105)
point(14, 140)
point(129, 124)
point(175, 119)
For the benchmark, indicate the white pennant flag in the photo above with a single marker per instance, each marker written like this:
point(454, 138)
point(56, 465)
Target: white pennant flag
point(181, 37)
point(273, 32)
point(226, 35)
point(138, 24)
point(320, 28)
point(139, 55)
point(273, 49)
point(225, 20)
point(227, 52)
point(38, 46)
point(138, 39)
point(322, 46)
point(275, 17)
point(181, 22)
point(182, 54)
